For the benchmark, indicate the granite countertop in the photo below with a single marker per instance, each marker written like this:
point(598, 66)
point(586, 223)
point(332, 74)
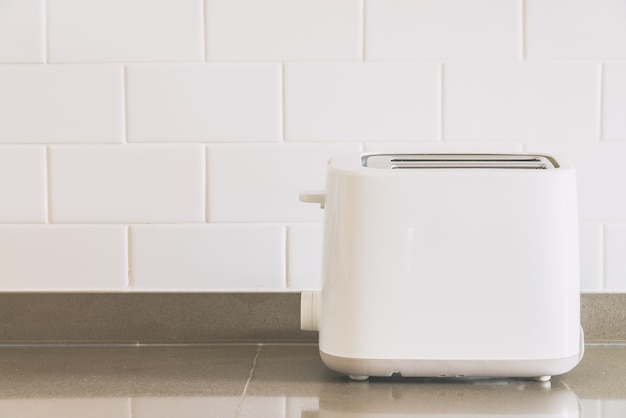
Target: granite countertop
point(280, 380)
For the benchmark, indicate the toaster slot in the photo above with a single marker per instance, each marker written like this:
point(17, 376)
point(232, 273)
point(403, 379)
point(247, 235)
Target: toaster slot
point(420, 161)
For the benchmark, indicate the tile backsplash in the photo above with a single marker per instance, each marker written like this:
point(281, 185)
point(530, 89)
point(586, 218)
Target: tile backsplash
point(161, 145)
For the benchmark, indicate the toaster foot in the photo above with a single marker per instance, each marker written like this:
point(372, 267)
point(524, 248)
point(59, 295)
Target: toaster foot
point(542, 378)
point(358, 377)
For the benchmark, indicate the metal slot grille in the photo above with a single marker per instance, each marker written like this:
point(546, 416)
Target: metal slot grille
point(498, 161)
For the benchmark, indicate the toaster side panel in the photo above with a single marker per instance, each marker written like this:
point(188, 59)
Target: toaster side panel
point(450, 265)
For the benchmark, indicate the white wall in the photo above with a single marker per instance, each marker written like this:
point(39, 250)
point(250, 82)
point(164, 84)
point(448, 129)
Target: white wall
point(161, 144)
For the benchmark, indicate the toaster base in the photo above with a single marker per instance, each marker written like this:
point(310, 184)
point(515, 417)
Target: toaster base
point(361, 369)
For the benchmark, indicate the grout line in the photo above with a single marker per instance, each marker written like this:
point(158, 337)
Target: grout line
point(601, 104)
point(286, 253)
point(124, 105)
point(128, 274)
point(283, 127)
point(203, 42)
point(245, 388)
point(363, 57)
point(205, 182)
point(522, 28)
point(44, 32)
point(441, 92)
point(46, 190)
point(604, 259)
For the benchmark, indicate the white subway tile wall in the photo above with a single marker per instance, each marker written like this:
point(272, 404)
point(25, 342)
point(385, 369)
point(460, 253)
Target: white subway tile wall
point(161, 145)
point(615, 243)
point(207, 257)
point(575, 29)
point(443, 29)
point(362, 101)
point(23, 184)
point(23, 20)
point(61, 257)
point(125, 30)
point(591, 255)
point(304, 256)
point(444, 147)
point(283, 30)
point(521, 101)
point(614, 103)
point(61, 104)
point(204, 102)
point(261, 183)
point(126, 184)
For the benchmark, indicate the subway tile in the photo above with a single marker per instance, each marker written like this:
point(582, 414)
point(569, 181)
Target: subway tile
point(61, 103)
point(591, 256)
point(21, 31)
point(207, 257)
point(614, 104)
point(262, 182)
point(615, 242)
point(521, 101)
point(204, 102)
point(126, 183)
point(444, 147)
point(600, 173)
point(283, 30)
point(62, 257)
point(362, 101)
point(304, 256)
point(22, 184)
point(442, 29)
point(575, 29)
point(125, 30)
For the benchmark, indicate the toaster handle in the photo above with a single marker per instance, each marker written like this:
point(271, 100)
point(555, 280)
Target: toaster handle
point(313, 197)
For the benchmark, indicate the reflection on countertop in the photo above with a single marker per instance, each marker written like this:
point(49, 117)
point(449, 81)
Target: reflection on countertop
point(285, 381)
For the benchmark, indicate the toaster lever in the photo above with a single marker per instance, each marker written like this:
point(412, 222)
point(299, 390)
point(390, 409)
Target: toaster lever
point(313, 197)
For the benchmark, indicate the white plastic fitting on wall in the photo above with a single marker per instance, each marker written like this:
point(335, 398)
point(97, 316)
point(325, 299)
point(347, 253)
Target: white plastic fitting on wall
point(309, 311)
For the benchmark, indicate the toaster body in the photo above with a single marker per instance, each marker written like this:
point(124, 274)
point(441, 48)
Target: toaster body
point(448, 265)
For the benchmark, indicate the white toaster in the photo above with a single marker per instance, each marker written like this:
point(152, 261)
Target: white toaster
point(448, 265)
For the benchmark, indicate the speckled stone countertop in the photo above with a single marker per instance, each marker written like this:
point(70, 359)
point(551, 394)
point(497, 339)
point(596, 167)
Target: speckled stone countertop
point(280, 380)
point(202, 318)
